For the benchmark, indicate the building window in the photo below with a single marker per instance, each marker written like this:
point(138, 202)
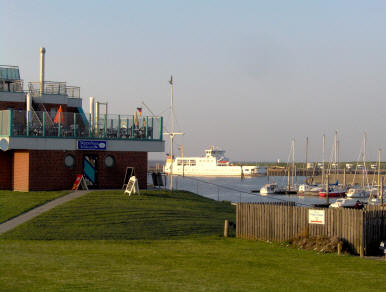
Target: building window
point(109, 161)
point(69, 161)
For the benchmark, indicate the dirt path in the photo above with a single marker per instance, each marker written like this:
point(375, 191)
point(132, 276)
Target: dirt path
point(12, 223)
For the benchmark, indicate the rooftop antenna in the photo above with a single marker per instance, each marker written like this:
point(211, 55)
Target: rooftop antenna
point(171, 133)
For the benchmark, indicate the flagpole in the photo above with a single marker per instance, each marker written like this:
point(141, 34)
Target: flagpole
point(172, 133)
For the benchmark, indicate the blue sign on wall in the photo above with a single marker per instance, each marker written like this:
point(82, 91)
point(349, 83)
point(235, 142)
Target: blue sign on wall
point(92, 145)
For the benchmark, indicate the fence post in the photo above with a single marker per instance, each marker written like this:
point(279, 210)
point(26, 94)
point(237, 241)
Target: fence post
point(339, 248)
point(363, 230)
point(226, 228)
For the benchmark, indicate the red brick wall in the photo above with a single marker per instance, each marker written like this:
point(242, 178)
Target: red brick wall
point(48, 172)
point(20, 177)
point(6, 170)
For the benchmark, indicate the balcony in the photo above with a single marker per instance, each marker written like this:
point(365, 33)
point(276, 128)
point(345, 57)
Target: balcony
point(10, 79)
point(67, 125)
point(53, 88)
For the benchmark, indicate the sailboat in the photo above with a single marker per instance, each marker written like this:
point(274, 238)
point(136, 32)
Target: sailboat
point(333, 190)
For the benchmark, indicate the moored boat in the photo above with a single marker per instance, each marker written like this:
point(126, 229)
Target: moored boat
point(214, 163)
point(333, 192)
point(270, 189)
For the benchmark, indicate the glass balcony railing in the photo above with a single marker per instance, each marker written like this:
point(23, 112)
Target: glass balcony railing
point(9, 72)
point(75, 125)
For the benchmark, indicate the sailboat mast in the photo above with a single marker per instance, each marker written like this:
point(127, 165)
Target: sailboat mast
point(335, 154)
point(293, 160)
point(379, 168)
point(306, 156)
point(171, 131)
point(323, 153)
point(364, 158)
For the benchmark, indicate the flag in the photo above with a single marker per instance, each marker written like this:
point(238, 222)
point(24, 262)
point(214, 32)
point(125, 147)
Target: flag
point(171, 80)
point(139, 109)
point(56, 119)
point(136, 119)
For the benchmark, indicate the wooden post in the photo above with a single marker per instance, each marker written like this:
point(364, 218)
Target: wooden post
point(344, 177)
point(226, 228)
point(339, 248)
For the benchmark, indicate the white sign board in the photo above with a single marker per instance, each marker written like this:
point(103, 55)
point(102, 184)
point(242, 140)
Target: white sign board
point(315, 216)
point(132, 186)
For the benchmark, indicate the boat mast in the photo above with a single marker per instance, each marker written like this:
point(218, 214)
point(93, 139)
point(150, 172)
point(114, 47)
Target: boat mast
point(293, 160)
point(364, 158)
point(306, 157)
point(379, 168)
point(171, 133)
point(323, 150)
point(335, 154)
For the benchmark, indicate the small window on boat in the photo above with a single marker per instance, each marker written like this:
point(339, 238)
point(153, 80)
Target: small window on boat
point(179, 162)
point(193, 162)
point(186, 162)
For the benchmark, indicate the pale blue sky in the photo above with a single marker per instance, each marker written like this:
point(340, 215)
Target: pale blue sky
point(249, 75)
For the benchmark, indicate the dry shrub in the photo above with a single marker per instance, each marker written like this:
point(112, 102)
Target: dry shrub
point(317, 243)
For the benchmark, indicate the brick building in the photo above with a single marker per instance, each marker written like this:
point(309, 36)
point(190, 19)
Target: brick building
point(46, 139)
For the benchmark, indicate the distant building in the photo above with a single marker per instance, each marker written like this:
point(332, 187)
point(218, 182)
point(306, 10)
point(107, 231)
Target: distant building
point(46, 139)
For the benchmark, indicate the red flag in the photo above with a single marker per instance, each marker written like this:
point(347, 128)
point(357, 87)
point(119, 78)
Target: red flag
point(56, 120)
point(139, 109)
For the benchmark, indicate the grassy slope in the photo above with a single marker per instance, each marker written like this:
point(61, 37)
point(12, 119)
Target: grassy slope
point(199, 264)
point(189, 257)
point(16, 203)
point(112, 215)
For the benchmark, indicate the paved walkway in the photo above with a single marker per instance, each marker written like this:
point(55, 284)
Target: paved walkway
point(12, 223)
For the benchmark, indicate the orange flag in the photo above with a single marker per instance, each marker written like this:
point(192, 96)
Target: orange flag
point(56, 120)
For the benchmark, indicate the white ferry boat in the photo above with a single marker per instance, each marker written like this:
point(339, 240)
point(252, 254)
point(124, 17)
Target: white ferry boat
point(213, 163)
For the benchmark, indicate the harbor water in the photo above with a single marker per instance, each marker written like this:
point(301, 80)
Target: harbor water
point(236, 190)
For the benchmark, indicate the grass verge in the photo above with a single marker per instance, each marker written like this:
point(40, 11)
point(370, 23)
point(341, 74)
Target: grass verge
point(13, 203)
point(113, 215)
point(175, 246)
point(198, 264)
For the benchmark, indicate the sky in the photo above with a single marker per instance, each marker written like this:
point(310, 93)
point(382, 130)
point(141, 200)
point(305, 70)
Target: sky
point(248, 75)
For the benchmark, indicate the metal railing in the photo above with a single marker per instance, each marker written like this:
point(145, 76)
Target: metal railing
point(11, 86)
point(54, 88)
point(76, 125)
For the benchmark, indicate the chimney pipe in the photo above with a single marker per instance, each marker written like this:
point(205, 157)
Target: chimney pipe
point(42, 65)
point(92, 113)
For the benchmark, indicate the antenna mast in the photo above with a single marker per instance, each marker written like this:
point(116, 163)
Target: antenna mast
point(171, 133)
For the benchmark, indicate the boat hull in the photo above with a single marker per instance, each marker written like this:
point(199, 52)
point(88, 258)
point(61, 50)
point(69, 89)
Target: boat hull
point(332, 194)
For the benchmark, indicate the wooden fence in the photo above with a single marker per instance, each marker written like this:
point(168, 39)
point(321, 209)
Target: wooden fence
point(361, 230)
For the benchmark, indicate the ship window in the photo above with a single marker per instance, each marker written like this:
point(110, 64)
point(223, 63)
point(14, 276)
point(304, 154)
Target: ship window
point(193, 162)
point(186, 162)
point(179, 162)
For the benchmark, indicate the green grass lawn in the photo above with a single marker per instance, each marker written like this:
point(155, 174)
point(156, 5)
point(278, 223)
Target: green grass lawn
point(113, 215)
point(163, 241)
point(16, 203)
point(199, 264)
